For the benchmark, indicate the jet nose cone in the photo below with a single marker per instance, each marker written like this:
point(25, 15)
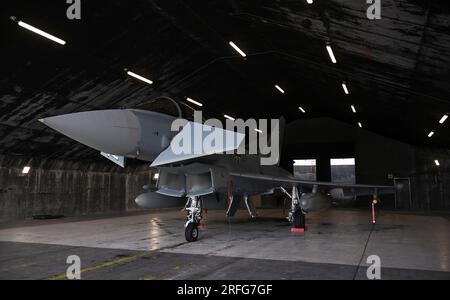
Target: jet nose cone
point(110, 131)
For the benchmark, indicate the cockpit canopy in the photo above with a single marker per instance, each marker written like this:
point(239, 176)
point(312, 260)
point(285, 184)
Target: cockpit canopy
point(168, 106)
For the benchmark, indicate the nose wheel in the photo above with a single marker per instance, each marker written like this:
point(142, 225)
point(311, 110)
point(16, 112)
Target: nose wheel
point(191, 232)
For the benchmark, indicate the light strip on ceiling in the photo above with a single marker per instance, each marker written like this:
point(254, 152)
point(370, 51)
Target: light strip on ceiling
point(237, 49)
point(41, 33)
point(229, 117)
point(132, 74)
point(302, 110)
point(442, 120)
point(331, 54)
point(353, 109)
point(279, 88)
point(193, 101)
point(344, 86)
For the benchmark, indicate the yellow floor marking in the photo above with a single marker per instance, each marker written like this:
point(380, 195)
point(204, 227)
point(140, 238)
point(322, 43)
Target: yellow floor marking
point(118, 261)
point(109, 263)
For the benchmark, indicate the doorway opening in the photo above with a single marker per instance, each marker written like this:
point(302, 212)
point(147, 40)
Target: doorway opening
point(343, 170)
point(305, 169)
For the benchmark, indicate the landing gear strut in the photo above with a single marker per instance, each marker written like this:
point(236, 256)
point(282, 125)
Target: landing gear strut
point(298, 219)
point(194, 210)
point(296, 214)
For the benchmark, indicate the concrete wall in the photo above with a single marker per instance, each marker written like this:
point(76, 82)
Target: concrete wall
point(67, 187)
point(378, 158)
point(430, 182)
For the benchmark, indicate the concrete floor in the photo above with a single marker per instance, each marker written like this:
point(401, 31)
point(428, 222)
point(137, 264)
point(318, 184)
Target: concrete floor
point(151, 245)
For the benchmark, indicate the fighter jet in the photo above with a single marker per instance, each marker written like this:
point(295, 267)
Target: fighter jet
point(145, 132)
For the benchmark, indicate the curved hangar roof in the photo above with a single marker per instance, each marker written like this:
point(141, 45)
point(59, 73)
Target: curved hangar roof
point(396, 70)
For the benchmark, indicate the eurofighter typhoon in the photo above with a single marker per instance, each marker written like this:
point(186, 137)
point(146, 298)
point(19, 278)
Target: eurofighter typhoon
point(199, 162)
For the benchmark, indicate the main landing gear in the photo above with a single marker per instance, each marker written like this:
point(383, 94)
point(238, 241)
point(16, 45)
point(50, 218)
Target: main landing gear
point(194, 211)
point(298, 221)
point(296, 214)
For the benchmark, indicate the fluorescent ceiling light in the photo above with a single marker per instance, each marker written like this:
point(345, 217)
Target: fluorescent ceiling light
point(41, 33)
point(301, 109)
point(431, 134)
point(229, 118)
point(139, 77)
point(279, 88)
point(331, 54)
point(193, 101)
point(359, 124)
point(342, 161)
point(237, 49)
point(437, 162)
point(258, 130)
point(344, 86)
point(26, 170)
point(304, 162)
point(309, 1)
point(353, 109)
point(442, 120)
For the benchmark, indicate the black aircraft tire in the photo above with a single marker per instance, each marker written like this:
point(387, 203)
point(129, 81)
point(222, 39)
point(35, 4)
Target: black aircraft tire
point(191, 232)
point(299, 219)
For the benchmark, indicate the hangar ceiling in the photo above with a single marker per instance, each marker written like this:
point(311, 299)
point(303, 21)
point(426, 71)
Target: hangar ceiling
point(397, 69)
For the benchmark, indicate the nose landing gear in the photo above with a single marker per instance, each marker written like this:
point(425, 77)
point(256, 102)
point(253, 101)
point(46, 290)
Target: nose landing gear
point(194, 210)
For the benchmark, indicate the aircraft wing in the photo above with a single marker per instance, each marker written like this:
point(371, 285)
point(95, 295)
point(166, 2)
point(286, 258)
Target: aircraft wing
point(193, 135)
point(359, 189)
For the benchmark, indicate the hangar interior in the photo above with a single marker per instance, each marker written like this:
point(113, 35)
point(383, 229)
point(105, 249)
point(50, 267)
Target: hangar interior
point(383, 103)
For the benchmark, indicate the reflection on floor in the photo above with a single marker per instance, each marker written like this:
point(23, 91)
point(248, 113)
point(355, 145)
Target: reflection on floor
point(152, 246)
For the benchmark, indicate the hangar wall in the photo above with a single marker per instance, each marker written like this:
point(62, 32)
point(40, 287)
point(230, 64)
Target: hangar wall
point(378, 159)
point(432, 183)
point(67, 187)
